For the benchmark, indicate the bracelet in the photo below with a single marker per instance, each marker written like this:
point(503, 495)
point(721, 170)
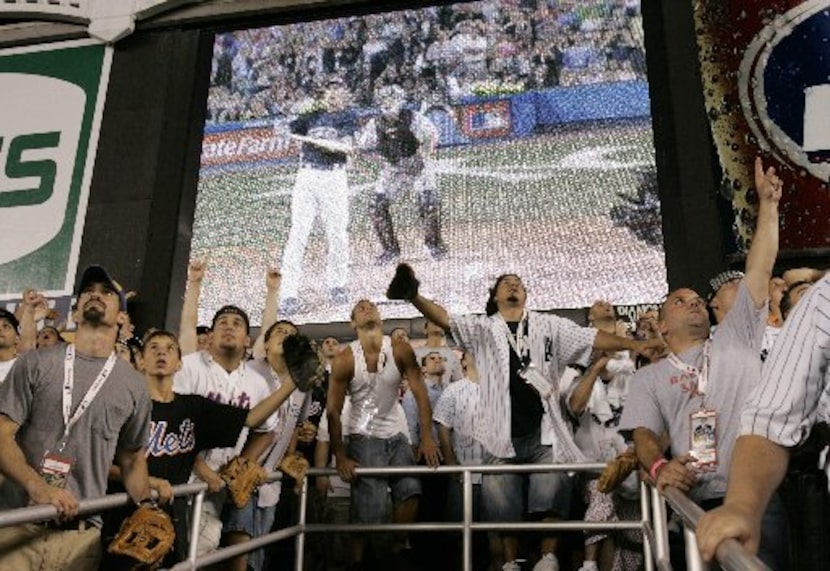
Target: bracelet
point(659, 463)
point(147, 501)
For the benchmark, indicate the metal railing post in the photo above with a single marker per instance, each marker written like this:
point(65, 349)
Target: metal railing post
point(660, 525)
point(694, 562)
point(195, 525)
point(300, 545)
point(645, 517)
point(467, 533)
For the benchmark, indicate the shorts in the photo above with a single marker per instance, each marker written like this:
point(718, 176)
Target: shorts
point(548, 493)
point(369, 494)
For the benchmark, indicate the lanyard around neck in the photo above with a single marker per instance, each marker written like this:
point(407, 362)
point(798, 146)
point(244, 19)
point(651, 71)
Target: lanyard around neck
point(519, 343)
point(702, 374)
point(69, 419)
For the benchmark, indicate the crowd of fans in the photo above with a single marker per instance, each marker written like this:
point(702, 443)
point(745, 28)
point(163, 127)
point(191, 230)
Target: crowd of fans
point(436, 54)
point(670, 397)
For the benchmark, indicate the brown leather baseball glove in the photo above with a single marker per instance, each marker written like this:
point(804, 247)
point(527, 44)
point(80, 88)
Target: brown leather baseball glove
point(296, 466)
point(242, 477)
point(616, 471)
point(145, 537)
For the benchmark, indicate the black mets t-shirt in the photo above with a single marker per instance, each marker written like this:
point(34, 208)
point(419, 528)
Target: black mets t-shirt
point(179, 430)
point(185, 426)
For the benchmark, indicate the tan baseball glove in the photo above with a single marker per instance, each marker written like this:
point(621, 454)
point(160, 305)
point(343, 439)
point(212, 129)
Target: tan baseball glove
point(296, 466)
point(145, 537)
point(617, 470)
point(242, 477)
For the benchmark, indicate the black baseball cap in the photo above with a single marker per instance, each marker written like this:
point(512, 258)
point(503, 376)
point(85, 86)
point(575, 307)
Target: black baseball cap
point(99, 275)
point(233, 310)
point(9, 316)
point(721, 280)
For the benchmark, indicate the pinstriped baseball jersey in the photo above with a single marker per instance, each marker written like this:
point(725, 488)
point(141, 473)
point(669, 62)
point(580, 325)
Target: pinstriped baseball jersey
point(456, 409)
point(554, 343)
point(794, 388)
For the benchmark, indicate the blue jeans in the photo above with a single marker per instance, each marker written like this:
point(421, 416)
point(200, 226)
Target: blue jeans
point(253, 521)
point(548, 493)
point(369, 494)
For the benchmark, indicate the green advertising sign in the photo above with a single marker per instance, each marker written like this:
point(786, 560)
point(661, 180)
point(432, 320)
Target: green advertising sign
point(52, 100)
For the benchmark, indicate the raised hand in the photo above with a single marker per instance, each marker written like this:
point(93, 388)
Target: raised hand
point(196, 270)
point(273, 279)
point(767, 183)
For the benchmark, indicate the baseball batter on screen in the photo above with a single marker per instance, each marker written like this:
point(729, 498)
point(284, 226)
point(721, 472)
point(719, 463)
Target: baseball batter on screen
point(321, 187)
point(405, 140)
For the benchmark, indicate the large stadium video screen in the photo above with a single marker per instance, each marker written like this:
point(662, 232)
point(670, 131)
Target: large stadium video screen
point(469, 140)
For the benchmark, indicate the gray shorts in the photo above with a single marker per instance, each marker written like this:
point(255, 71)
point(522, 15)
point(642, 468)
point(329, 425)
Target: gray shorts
point(369, 493)
point(548, 493)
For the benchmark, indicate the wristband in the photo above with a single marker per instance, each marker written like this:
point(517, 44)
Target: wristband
point(147, 501)
point(660, 462)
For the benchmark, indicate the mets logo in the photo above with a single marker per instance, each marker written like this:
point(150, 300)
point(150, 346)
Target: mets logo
point(784, 87)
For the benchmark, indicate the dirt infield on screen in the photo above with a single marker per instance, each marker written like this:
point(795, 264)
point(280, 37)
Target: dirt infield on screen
point(573, 212)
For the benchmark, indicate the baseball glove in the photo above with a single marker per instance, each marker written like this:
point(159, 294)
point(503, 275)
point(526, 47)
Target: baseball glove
point(242, 477)
point(303, 361)
point(296, 466)
point(145, 537)
point(404, 285)
point(616, 471)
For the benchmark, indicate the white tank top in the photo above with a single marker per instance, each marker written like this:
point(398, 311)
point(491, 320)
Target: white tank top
point(374, 395)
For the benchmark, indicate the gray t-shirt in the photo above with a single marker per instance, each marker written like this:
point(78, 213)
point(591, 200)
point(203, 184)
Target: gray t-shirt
point(118, 417)
point(662, 398)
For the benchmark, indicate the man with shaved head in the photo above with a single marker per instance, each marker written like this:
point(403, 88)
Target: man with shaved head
point(696, 393)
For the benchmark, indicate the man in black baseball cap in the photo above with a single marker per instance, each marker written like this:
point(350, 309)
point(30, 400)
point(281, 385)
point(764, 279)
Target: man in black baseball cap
point(232, 310)
point(722, 291)
point(98, 275)
point(10, 317)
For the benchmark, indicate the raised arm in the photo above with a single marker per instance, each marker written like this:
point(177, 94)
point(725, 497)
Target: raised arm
point(405, 285)
point(273, 279)
point(33, 309)
point(582, 393)
point(270, 404)
point(762, 253)
point(190, 307)
point(609, 342)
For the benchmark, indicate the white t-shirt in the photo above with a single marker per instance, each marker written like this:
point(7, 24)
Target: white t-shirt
point(5, 367)
point(243, 387)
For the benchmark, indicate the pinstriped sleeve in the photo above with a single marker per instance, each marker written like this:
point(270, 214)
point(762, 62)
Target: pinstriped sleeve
point(468, 331)
point(784, 406)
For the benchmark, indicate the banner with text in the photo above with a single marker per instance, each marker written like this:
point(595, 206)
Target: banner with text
point(53, 98)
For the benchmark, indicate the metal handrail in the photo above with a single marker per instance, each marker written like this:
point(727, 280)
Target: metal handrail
point(731, 555)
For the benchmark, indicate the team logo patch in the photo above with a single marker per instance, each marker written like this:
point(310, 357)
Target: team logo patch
point(784, 87)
